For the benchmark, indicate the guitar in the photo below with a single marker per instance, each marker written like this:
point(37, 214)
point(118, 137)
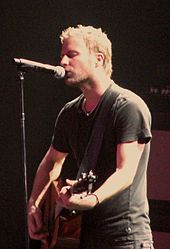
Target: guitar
point(56, 219)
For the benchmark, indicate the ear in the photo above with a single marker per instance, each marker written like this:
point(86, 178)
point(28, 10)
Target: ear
point(100, 59)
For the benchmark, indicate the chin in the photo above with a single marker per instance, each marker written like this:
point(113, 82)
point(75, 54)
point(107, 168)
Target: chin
point(70, 82)
point(74, 82)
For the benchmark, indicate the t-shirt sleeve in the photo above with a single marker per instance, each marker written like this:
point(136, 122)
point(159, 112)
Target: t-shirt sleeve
point(133, 122)
point(60, 134)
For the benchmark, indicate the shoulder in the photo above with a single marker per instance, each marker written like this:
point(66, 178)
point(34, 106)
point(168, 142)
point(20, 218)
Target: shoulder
point(71, 106)
point(130, 100)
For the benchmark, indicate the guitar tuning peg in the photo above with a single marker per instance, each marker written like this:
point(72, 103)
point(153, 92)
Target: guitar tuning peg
point(83, 175)
point(91, 172)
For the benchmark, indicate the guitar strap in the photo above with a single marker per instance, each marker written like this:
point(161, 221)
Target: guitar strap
point(107, 102)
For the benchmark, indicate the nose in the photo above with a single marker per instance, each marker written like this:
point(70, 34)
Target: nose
point(64, 61)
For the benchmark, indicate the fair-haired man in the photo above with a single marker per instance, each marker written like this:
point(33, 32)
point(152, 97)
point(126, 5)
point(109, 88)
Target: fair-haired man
point(115, 215)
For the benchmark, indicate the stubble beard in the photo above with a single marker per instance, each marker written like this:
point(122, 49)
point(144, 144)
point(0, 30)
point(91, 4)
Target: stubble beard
point(78, 82)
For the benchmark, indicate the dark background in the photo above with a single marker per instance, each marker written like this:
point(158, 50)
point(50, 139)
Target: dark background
point(30, 29)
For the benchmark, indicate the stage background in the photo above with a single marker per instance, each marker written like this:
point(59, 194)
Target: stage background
point(30, 30)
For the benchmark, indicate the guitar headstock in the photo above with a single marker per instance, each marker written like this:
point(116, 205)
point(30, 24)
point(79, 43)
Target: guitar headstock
point(84, 183)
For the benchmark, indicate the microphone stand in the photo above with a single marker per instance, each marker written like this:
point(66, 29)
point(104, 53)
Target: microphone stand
point(24, 161)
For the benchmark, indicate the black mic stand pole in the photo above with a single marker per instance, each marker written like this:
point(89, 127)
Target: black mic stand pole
point(24, 160)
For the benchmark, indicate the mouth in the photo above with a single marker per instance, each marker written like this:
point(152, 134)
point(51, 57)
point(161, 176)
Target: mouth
point(68, 74)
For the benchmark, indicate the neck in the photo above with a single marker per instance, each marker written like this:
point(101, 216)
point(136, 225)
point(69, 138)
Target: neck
point(93, 92)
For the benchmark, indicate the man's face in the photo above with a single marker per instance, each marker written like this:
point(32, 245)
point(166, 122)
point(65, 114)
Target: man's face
point(77, 61)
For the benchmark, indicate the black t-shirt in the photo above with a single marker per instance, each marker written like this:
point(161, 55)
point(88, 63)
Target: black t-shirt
point(125, 215)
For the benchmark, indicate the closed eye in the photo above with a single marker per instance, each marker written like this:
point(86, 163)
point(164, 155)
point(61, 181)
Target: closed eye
point(70, 54)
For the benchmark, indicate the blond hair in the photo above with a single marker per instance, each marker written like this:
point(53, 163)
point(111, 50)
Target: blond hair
point(96, 41)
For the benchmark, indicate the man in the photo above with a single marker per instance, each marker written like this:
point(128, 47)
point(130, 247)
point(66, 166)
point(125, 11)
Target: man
point(115, 215)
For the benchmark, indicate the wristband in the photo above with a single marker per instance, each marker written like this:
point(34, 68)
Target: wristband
point(97, 199)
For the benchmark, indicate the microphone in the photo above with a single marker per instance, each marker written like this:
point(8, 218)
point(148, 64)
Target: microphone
point(26, 65)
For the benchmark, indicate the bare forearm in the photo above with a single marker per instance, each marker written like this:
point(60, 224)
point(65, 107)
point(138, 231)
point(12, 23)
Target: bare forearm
point(41, 179)
point(126, 170)
point(116, 183)
point(49, 170)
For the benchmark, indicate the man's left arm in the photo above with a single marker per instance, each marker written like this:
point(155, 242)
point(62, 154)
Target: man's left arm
point(128, 156)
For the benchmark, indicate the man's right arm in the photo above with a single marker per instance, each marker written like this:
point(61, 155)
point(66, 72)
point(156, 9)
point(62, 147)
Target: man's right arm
point(52, 162)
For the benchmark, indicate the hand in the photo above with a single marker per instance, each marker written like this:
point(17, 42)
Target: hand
point(35, 225)
point(80, 201)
